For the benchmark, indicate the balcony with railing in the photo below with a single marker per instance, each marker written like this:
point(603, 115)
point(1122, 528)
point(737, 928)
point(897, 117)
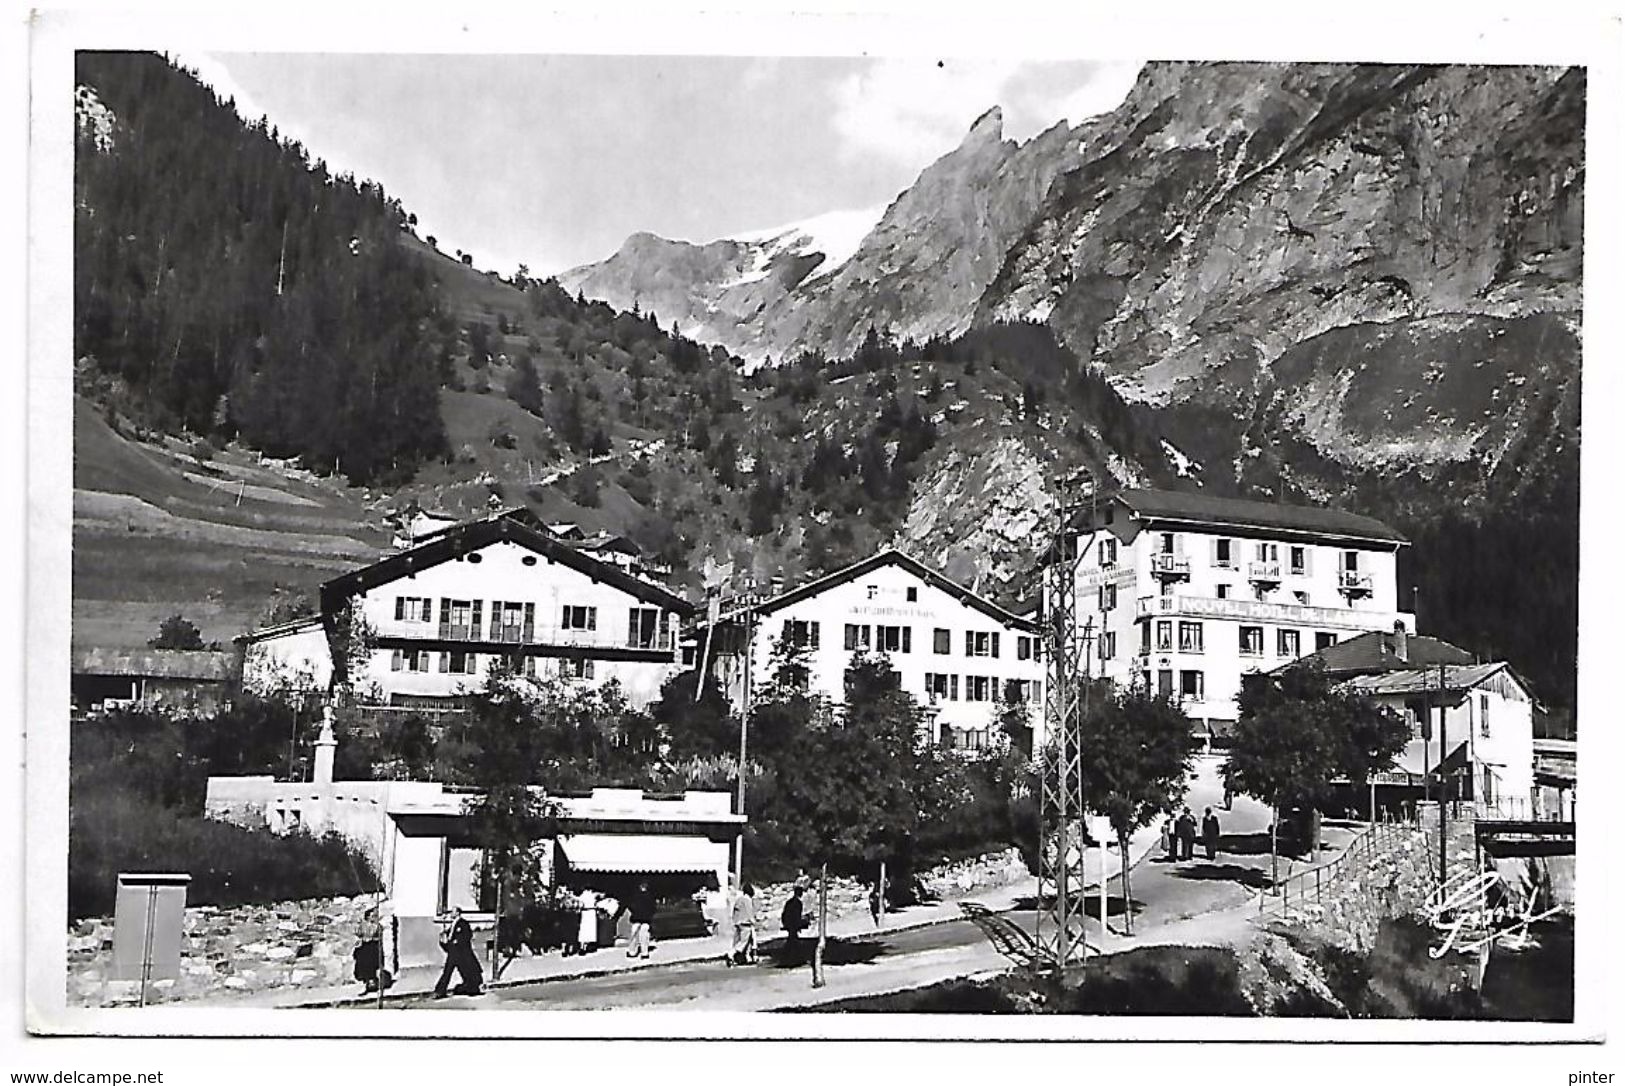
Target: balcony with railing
point(560, 636)
point(1174, 567)
point(1264, 572)
point(1351, 582)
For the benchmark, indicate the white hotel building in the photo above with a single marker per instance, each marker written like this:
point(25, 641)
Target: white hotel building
point(1187, 592)
point(953, 650)
point(499, 588)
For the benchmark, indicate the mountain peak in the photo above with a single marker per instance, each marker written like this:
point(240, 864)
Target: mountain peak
point(989, 126)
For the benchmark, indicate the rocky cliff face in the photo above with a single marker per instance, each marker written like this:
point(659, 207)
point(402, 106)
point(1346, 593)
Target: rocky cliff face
point(917, 273)
point(1344, 254)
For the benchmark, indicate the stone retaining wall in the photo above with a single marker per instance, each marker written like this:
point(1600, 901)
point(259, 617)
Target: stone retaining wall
point(250, 948)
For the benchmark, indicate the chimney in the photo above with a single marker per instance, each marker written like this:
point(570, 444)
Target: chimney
point(325, 746)
point(1402, 647)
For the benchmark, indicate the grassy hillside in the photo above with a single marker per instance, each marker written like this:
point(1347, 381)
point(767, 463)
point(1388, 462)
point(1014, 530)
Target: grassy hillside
point(162, 527)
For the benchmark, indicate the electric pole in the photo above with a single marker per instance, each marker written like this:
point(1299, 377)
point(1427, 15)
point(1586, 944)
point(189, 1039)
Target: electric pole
point(1061, 926)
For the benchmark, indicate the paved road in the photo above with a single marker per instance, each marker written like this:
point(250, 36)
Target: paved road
point(885, 961)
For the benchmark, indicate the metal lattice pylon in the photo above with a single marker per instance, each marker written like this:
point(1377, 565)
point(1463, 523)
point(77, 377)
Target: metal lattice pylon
point(1061, 928)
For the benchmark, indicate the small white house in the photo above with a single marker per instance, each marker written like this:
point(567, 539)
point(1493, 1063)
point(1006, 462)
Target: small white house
point(1475, 719)
point(956, 652)
point(415, 833)
point(292, 655)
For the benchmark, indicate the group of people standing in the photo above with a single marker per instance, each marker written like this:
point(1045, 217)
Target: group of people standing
point(1179, 834)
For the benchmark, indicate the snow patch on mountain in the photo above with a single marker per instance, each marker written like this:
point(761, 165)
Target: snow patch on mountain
point(836, 234)
point(1183, 465)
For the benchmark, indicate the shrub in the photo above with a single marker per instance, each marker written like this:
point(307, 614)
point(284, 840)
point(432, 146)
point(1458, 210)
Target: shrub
point(114, 828)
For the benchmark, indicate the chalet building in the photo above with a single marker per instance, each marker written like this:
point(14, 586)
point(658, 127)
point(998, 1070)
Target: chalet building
point(956, 652)
point(501, 587)
point(1188, 592)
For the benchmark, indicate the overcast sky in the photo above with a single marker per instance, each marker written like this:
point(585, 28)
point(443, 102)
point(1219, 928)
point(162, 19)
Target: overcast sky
point(553, 160)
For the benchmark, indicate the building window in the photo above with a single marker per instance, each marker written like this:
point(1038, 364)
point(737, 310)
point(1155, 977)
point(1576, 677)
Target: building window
point(1286, 644)
point(580, 618)
point(1190, 685)
point(802, 634)
point(1035, 691)
point(1223, 591)
point(936, 686)
point(458, 663)
point(1165, 635)
point(1167, 543)
point(941, 643)
point(646, 628)
point(978, 688)
point(1252, 641)
point(1261, 591)
point(913, 595)
point(966, 738)
point(1301, 597)
point(413, 609)
point(1108, 645)
point(1224, 555)
point(460, 619)
point(1108, 552)
point(1023, 648)
point(1267, 552)
point(1484, 715)
point(575, 669)
point(508, 621)
point(1298, 560)
point(1351, 561)
point(1324, 640)
point(410, 660)
point(1190, 637)
point(981, 644)
point(1145, 637)
point(1165, 683)
point(894, 638)
point(1108, 597)
point(858, 638)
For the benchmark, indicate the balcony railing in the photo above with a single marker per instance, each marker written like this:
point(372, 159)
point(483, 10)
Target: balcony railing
point(1264, 572)
point(1170, 565)
point(660, 640)
point(1354, 583)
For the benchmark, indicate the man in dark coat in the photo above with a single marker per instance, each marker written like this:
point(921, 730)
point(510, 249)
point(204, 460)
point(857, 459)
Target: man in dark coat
point(1187, 834)
point(640, 907)
point(1210, 833)
point(794, 920)
point(458, 942)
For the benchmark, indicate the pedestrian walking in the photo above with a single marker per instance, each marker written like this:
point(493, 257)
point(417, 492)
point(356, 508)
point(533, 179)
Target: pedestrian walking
point(1168, 837)
point(742, 918)
point(372, 958)
point(640, 906)
point(587, 922)
point(793, 918)
point(458, 943)
point(1186, 828)
point(1210, 833)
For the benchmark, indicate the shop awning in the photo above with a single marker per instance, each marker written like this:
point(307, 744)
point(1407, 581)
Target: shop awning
point(643, 854)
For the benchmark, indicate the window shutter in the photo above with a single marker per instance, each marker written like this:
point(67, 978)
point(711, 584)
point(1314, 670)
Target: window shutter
point(851, 641)
point(995, 646)
point(813, 629)
point(1308, 561)
point(400, 608)
point(445, 661)
point(970, 643)
point(474, 620)
point(445, 617)
point(496, 620)
point(592, 618)
point(908, 638)
point(530, 622)
point(953, 688)
point(395, 660)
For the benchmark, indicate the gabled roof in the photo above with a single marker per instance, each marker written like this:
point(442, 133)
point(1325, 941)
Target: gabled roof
point(201, 665)
point(513, 526)
point(894, 557)
point(1421, 679)
point(1209, 511)
point(1378, 650)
